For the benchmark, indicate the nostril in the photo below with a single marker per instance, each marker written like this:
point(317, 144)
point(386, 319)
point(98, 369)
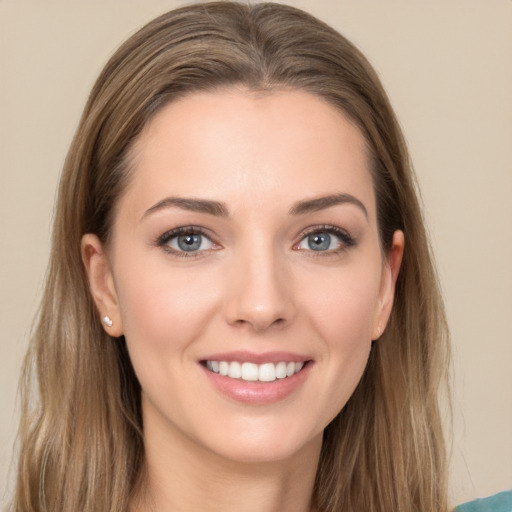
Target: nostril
point(260, 324)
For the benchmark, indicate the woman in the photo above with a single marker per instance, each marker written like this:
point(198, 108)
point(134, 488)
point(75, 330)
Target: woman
point(241, 309)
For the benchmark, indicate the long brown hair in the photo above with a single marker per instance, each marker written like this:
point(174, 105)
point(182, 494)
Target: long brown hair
point(81, 441)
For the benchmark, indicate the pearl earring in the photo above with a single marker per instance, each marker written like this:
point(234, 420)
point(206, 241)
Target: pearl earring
point(107, 321)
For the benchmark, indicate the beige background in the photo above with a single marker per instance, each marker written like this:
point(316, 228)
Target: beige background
point(447, 66)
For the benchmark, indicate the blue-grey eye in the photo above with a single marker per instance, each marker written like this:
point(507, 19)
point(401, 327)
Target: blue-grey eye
point(189, 242)
point(320, 241)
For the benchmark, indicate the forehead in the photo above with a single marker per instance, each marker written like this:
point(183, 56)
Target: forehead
point(237, 146)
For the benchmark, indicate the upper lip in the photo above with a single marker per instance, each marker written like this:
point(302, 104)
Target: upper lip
point(252, 357)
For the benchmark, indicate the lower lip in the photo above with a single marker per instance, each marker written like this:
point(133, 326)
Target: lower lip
point(255, 392)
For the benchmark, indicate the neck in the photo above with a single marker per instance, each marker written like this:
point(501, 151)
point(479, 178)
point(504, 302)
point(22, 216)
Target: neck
point(180, 476)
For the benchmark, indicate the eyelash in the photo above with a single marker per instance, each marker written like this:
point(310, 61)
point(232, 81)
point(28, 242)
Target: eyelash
point(344, 236)
point(346, 239)
point(164, 239)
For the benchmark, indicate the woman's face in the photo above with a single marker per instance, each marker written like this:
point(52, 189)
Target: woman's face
point(246, 243)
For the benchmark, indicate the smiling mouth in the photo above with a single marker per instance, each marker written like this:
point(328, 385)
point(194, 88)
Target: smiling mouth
point(252, 372)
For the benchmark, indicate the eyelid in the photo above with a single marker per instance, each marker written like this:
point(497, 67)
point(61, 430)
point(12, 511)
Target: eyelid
point(345, 237)
point(163, 240)
point(181, 230)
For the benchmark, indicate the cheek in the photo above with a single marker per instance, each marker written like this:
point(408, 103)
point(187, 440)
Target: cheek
point(343, 319)
point(346, 309)
point(163, 310)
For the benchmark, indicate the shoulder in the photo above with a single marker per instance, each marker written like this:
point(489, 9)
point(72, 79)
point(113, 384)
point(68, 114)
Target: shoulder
point(501, 502)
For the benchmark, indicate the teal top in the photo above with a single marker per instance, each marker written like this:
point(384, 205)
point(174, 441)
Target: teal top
point(501, 502)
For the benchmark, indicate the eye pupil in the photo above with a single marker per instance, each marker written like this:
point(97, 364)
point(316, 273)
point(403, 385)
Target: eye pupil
point(319, 241)
point(189, 242)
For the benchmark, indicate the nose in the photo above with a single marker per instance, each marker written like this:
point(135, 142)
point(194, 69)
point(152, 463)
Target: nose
point(258, 291)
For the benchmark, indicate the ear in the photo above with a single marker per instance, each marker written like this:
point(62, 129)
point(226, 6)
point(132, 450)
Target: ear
point(390, 270)
point(101, 283)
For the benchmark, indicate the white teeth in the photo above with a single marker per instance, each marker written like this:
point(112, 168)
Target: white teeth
point(223, 367)
point(235, 370)
point(267, 372)
point(281, 370)
point(249, 371)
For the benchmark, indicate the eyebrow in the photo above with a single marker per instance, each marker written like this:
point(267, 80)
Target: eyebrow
point(219, 209)
point(321, 203)
point(196, 205)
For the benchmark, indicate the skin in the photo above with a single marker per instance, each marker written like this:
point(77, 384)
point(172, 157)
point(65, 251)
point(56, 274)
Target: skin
point(255, 285)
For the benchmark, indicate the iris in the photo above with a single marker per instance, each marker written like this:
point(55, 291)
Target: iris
point(189, 242)
point(319, 241)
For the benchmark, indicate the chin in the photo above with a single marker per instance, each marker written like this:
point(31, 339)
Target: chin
point(257, 442)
